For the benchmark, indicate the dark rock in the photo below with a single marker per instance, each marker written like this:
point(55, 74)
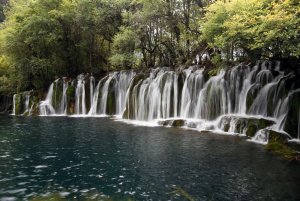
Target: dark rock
point(292, 118)
point(71, 99)
point(172, 122)
point(243, 125)
point(276, 136)
point(6, 104)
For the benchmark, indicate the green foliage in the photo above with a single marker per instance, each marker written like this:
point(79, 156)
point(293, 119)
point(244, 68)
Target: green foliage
point(124, 54)
point(165, 32)
point(45, 38)
point(283, 151)
point(179, 191)
point(262, 28)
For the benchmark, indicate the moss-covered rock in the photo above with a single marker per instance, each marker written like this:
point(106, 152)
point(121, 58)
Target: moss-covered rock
point(178, 122)
point(294, 145)
point(280, 137)
point(71, 99)
point(283, 151)
point(19, 104)
point(172, 122)
point(6, 104)
point(243, 125)
point(251, 129)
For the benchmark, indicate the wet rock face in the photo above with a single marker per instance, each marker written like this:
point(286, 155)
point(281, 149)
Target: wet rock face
point(172, 122)
point(6, 104)
point(292, 119)
point(71, 99)
point(276, 136)
point(243, 125)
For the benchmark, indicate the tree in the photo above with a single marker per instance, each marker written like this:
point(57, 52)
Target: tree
point(263, 29)
point(48, 38)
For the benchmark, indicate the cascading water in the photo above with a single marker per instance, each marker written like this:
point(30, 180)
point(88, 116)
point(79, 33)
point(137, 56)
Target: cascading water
point(152, 98)
point(27, 100)
point(104, 94)
point(192, 87)
point(45, 106)
point(14, 104)
point(63, 102)
point(80, 104)
point(92, 86)
point(123, 81)
point(94, 102)
point(239, 100)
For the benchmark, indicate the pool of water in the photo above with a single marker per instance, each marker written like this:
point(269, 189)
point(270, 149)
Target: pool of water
point(103, 159)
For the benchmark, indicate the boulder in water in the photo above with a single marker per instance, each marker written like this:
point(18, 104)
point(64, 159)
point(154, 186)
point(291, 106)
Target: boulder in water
point(243, 125)
point(172, 122)
point(276, 136)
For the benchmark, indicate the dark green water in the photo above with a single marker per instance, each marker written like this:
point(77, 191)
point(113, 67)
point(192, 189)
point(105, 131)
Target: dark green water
point(98, 158)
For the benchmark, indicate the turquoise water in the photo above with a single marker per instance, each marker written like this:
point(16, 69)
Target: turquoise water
point(99, 158)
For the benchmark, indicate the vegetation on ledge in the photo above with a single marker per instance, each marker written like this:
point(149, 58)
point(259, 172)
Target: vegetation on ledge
point(283, 151)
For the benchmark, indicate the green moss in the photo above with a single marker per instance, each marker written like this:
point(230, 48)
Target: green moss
point(226, 127)
point(57, 93)
point(275, 136)
point(19, 106)
point(182, 193)
point(71, 99)
point(251, 129)
point(71, 92)
point(52, 197)
point(178, 123)
point(283, 151)
point(263, 123)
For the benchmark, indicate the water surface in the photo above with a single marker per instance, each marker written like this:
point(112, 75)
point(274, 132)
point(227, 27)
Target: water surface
point(100, 158)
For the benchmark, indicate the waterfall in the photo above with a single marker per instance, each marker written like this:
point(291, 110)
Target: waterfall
point(80, 104)
point(14, 104)
point(63, 102)
point(94, 103)
point(27, 101)
point(152, 97)
point(92, 85)
point(227, 101)
point(192, 87)
point(45, 106)
point(104, 93)
point(122, 85)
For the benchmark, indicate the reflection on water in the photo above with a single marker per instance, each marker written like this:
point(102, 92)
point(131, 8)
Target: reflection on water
point(101, 159)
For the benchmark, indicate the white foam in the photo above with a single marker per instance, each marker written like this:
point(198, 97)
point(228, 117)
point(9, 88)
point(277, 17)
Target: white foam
point(64, 194)
point(40, 166)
